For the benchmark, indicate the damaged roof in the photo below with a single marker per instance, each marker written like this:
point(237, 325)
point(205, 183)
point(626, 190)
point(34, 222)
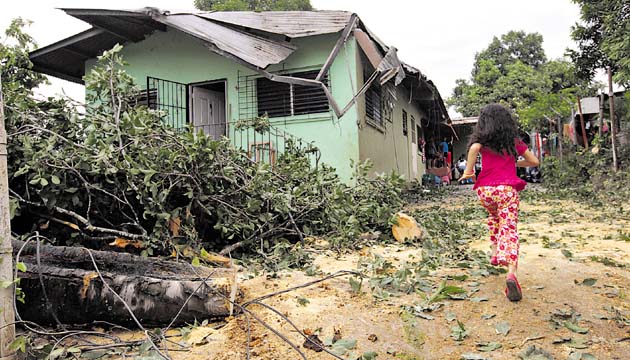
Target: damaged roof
point(292, 24)
point(254, 39)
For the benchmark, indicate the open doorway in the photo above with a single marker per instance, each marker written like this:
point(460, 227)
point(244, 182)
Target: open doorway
point(208, 111)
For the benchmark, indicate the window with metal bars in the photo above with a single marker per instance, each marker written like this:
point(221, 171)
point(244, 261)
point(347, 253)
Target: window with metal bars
point(373, 96)
point(146, 98)
point(279, 99)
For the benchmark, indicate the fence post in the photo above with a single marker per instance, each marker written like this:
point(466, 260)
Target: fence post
point(613, 125)
point(7, 316)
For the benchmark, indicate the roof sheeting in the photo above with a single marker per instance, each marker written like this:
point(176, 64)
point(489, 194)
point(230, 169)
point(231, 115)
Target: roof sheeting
point(252, 49)
point(293, 24)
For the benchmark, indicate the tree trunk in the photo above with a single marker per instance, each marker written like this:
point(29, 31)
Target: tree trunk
point(154, 289)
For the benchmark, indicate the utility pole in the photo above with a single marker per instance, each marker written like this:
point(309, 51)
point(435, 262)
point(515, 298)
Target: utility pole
point(613, 125)
point(7, 315)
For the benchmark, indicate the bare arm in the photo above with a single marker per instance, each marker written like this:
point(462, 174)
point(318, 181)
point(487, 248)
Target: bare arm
point(471, 160)
point(530, 160)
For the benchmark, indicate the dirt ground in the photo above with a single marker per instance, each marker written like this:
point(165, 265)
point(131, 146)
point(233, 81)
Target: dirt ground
point(563, 243)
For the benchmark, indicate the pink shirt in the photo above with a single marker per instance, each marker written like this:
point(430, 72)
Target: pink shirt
point(500, 169)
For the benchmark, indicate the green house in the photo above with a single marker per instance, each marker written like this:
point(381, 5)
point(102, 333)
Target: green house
point(321, 78)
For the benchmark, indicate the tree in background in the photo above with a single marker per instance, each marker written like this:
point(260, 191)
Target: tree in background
point(513, 47)
point(514, 71)
point(253, 5)
point(602, 38)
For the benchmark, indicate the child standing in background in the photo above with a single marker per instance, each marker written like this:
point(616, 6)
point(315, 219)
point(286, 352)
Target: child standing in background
point(496, 139)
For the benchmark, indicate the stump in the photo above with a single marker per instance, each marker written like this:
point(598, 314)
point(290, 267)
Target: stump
point(154, 289)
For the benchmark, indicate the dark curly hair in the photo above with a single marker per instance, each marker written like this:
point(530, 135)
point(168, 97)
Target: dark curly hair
point(496, 130)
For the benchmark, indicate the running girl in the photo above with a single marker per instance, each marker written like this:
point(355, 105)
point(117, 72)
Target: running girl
point(496, 139)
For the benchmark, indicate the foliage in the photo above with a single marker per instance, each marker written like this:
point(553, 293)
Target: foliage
point(513, 71)
point(17, 79)
point(513, 47)
point(119, 172)
point(588, 174)
point(253, 5)
point(602, 38)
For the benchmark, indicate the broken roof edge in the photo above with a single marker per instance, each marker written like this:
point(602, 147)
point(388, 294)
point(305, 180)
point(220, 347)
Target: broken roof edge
point(72, 39)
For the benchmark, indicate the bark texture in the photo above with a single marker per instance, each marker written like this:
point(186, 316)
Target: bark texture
point(154, 289)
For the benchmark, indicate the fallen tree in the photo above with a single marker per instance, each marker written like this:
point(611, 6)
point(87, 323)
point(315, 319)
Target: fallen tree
point(118, 172)
point(64, 284)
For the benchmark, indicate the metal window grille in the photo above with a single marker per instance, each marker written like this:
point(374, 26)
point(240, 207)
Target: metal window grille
point(170, 97)
point(279, 99)
point(373, 98)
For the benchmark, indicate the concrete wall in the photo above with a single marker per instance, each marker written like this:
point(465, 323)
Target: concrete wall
point(386, 146)
point(460, 147)
point(176, 56)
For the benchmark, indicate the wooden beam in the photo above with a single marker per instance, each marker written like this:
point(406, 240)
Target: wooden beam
point(7, 317)
point(335, 51)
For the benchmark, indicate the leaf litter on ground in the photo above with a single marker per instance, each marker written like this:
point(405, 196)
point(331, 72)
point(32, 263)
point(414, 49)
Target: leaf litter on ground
point(502, 328)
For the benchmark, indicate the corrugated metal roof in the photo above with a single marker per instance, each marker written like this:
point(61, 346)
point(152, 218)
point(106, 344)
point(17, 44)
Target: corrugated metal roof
point(293, 24)
point(256, 39)
point(252, 49)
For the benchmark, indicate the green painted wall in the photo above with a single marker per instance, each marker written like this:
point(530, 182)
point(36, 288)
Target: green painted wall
point(175, 56)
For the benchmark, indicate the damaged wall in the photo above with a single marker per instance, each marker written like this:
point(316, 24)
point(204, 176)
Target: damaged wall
point(386, 145)
point(175, 56)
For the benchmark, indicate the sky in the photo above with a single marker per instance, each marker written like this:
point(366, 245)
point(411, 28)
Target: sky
point(438, 37)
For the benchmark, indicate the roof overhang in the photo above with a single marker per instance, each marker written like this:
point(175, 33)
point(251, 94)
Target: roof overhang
point(255, 40)
point(66, 58)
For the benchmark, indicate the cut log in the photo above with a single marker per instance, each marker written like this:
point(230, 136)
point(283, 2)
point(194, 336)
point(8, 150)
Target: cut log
point(154, 289)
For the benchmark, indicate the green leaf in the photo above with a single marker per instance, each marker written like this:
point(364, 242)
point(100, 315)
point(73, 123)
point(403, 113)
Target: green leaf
point(502, 328)
point(20, 266)
point(568, 254)
point(355, 284)
point(43, 182)
point(195, 261)
point(459, 332)
point(96, 354)
point(589, 281)
point(342, 346)
point(302, 301)
point(578, 343)
point(488, 346)
point(56, 353)
point(479, 299)
point(450, 316)
point(473, 356)
point(575, 328)
point(6, 283)
point(55, 180)
point(19, 344)
point(370, 355)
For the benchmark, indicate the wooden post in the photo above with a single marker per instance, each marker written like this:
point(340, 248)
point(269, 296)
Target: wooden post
point(601, 114)
point(584, 138)
point(560, 137)
point(7, 315)
point(613, 126)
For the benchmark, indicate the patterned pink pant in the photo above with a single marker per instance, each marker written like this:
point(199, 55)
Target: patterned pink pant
point(502, 204)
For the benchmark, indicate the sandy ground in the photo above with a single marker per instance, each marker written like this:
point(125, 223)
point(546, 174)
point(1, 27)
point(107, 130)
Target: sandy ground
point(551, 282)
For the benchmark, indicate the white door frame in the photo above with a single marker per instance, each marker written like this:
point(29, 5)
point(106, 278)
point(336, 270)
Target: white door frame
point(191, 107)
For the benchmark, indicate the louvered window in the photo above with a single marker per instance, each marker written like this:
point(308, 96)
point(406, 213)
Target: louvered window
point(373, 105)
point(279, 99)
